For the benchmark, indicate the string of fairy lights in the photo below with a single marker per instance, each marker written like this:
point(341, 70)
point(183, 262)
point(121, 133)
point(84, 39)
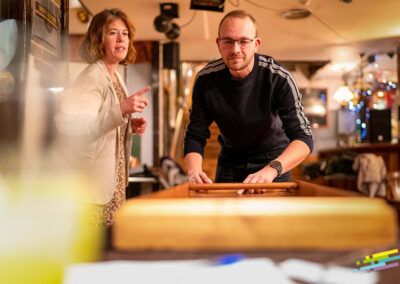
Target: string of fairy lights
point(372, 90)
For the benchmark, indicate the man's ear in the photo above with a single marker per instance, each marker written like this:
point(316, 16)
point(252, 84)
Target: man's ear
point(257, 41)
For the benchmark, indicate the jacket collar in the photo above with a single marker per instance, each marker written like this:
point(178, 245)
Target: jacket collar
point(104, 69)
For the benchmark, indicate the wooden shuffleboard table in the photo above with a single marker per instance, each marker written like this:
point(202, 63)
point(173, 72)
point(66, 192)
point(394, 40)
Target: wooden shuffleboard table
point(294, 215)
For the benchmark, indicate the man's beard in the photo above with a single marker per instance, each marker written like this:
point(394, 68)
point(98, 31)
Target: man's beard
point(234, 67)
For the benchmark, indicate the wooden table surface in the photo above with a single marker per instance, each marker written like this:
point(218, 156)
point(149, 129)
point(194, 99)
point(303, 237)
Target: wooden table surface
point(296, 215)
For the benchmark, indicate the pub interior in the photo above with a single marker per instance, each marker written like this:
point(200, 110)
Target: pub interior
point(340, 208)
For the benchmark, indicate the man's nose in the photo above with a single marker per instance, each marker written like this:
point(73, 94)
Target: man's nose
point(236, 46)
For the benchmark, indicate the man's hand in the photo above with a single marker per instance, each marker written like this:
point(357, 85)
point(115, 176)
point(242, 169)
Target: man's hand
point(264, 175)
point(138, 125)
point(135, 103)
point(199, 178)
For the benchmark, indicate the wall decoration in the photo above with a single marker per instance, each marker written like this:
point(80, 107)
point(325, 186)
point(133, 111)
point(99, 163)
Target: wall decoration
point(315, 102)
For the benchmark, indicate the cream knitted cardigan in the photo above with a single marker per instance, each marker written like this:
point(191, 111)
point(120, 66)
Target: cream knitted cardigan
point(90, 114)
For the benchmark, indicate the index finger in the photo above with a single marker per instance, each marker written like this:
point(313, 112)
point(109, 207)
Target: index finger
point(142, 91)
point(248, 179)
point(205, 178)
point(197, 179)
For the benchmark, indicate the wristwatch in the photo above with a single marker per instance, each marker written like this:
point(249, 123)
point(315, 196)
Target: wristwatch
point(277, 166)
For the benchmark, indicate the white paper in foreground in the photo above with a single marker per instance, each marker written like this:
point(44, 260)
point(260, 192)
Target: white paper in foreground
point(256, 270)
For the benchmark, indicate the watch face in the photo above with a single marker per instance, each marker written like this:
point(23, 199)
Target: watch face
point(277, 166)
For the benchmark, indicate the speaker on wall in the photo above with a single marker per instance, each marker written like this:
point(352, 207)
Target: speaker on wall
point(380, 126)
point(171, 55)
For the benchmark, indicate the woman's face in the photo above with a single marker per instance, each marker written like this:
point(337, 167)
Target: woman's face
point(116, 42)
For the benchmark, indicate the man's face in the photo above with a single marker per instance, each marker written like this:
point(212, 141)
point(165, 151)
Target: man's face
point(237, 44)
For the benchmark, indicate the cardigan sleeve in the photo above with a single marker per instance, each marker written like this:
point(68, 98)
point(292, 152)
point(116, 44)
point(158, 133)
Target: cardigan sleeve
point(84, 111)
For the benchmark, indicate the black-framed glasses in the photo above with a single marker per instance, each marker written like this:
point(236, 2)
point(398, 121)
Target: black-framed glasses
point(229, 42)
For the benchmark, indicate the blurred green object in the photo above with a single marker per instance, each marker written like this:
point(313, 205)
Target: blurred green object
point(44, 228)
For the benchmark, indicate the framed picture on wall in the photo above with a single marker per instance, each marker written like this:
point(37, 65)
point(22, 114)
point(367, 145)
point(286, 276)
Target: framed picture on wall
point(315, 102)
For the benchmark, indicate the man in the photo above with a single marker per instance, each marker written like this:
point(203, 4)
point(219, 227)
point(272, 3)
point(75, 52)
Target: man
point(257, 107)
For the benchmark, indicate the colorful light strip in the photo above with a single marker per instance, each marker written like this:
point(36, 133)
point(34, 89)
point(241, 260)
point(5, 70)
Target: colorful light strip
point(378, 261)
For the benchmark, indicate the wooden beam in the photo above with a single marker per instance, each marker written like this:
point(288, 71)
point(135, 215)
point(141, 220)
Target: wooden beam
point(229, 186)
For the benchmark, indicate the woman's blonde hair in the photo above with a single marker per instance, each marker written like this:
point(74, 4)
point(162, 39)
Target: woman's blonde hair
point(92, 48)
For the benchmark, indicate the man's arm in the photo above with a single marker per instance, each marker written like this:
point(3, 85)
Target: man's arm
point(293, 155)
point(194, 162)
point(197, 134)
point(296, 127)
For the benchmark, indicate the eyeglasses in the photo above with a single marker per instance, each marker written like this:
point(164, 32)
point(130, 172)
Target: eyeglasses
point(229, 42)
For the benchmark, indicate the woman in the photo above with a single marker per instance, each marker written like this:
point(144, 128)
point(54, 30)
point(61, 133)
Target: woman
point(101, 110)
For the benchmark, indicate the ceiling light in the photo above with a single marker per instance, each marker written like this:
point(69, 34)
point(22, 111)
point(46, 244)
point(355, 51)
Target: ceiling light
point(83, 15)
point(73, 4)
point(163, 22)
point(292, 14)
point(343, 95)
point(173, 32)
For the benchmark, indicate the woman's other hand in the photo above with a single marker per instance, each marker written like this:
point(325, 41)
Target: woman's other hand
point(135, 103)
point(138, 125)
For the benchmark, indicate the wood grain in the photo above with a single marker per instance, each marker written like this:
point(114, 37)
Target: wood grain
point(334, 223)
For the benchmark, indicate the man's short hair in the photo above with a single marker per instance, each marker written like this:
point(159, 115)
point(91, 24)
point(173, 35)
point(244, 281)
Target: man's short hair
point(92, 48)
point(239, 14)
